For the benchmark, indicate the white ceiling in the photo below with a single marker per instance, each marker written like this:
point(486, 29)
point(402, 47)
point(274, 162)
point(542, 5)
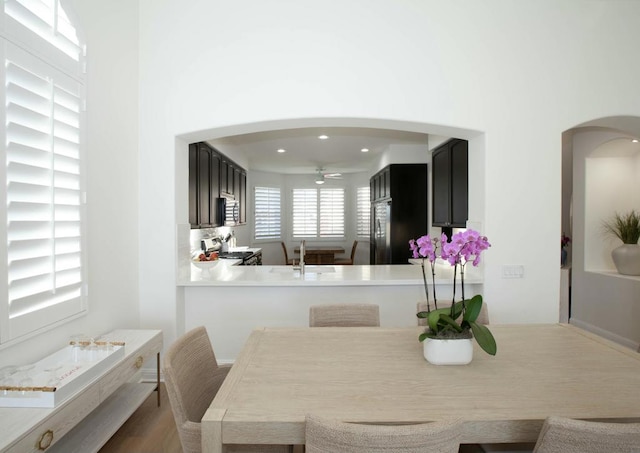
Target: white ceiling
point(305, 153)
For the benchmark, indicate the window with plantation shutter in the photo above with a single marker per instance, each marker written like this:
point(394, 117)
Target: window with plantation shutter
point(363, 212)
point(331, 213)
point(46, 19)
point(318, 213)
point(267, 215)
point(305, 213)
point(44, 118)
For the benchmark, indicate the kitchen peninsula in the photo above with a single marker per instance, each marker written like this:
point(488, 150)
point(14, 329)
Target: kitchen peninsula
point(231, 301)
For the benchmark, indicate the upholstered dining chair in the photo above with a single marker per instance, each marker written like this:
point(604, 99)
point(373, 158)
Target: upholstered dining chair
point(565, 435)
point(344, 315)
point(324, 435)
point(483, 317)
point(348, 261)
point(192, 377)
point(287, 261)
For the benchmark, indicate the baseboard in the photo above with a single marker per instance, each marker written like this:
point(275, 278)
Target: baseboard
point(605, 334)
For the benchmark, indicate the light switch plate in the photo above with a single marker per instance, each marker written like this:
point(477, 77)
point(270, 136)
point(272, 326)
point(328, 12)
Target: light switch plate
point(513, 271)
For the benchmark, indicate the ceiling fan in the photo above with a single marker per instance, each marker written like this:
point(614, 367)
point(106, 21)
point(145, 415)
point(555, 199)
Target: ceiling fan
point(322, 176)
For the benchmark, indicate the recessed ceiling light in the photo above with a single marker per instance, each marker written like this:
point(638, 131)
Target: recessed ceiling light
point(635, 140)
point(323, 137)
point(365, 150)
point(282, 150)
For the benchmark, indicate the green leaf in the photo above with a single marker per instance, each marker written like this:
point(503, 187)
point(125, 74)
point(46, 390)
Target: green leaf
point(474, 305)
point(484, 338)
point(434, 319)
point(422, 314)
point(449, 321)
point(423, 336)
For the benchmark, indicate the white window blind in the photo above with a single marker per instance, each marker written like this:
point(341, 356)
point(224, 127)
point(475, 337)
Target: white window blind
point(43, 196)
point(48, 20)
point(318, 213)
point(331, 213)
point(363, 212)
point(305, 213)
point(267, 215)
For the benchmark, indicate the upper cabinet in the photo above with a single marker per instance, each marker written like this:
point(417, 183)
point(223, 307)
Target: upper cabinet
point(450, 167)
point(213, 176)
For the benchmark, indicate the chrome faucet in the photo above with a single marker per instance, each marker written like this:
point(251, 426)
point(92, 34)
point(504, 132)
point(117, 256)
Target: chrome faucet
point(300, 266)
point(302, 258)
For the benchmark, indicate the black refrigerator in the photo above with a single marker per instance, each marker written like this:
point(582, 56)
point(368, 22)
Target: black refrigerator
point(399, 211)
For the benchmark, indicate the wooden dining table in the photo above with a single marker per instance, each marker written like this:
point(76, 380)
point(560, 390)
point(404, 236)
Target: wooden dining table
point(379, 375)
point(320, 254)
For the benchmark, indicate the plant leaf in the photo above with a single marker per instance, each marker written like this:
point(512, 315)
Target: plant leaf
point(449, 321)
point(474, 305)
point(423, 336)
point(484, 338)
point(422, 314)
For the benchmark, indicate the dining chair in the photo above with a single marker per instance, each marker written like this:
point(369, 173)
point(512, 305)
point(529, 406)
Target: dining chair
point(483, 317)
point(344, 315)
point(287, 261)
point(192, 377)
point(323, 435)
point(348, 261)
point(566, 435)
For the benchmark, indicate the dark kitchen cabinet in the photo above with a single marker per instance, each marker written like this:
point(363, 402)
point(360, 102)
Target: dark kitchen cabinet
point(399, 211)
point(450, 167)
point(203, 189)
point(211, 176)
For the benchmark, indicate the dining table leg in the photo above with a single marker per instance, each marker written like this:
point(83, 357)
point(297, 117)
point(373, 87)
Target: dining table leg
point(211, 427)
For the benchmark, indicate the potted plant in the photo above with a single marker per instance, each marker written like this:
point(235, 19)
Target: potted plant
point(625, 227)
point(451, 329)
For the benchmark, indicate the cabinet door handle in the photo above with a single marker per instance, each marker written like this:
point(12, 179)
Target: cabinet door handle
point(45, 440)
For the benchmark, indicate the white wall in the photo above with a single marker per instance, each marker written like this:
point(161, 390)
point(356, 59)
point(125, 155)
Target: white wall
point(111, 29)
point(510, 76)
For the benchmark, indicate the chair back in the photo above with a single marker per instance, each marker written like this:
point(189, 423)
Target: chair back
point(565, 435)
point(353, 251)
point(192, 380)
point(483, 317)
point(344, 315)
point(352, 259)
point(286, 255)
point(330, 436)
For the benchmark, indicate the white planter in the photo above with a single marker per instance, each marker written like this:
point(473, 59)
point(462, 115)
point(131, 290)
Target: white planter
point(448, 352)
point(627, 259)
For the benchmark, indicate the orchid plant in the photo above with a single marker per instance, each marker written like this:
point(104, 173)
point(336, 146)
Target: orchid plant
point(458, 320)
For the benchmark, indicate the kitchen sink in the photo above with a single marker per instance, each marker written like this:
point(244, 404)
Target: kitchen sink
point(307, 270)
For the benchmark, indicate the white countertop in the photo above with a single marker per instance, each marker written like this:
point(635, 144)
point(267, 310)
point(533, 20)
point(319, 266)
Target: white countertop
point(225, 273)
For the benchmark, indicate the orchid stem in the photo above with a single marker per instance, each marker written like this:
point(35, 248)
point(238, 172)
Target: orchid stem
point(426, 290)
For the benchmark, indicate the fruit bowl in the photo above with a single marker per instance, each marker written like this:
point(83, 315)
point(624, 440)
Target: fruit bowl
point(204, 265)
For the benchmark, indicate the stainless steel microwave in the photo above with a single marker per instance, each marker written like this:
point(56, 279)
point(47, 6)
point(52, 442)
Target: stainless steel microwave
point(227, 210)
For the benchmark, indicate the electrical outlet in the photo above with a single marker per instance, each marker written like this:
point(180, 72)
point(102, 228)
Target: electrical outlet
point(513, 271)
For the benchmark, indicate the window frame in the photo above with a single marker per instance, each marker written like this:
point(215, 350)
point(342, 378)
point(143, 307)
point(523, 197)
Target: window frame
point(47, 61)
point(318, 235)
point(270, 215)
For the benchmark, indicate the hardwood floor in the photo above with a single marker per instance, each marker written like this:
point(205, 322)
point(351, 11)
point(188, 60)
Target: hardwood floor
point(151, 429)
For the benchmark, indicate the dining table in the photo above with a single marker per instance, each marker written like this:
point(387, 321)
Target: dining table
point(320, 254)
point(379, 375)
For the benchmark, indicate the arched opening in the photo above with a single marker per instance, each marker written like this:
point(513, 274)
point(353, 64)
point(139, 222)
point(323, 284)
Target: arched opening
point(601, 170)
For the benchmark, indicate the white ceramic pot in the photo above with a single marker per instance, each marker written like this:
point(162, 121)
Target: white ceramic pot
point(448, 352)
point(627, 259)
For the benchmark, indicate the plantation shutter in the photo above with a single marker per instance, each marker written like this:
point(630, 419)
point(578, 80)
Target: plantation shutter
point(305, 213)
point(363, 212)
point(267, 213)
point(48, 20)
point(44, 198)
point(331, 213)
